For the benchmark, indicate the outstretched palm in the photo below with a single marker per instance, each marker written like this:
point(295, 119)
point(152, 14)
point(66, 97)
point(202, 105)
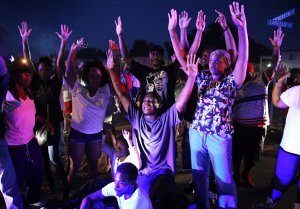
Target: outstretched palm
point(278, 37)
point(24, 32)
point(65, 33)
point(201, 21)
point(237, 14)
point(184, 20)
point(191, 65)
point(172, 15)
point(119, 27)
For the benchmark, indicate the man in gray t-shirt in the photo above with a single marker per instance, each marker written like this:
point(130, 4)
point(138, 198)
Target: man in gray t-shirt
point(155, 134)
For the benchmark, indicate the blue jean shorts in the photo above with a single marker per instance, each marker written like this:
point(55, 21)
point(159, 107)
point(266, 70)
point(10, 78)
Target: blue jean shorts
point(82, 138)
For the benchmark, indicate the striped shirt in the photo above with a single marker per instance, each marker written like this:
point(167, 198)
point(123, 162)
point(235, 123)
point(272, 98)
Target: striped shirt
point(251, 104)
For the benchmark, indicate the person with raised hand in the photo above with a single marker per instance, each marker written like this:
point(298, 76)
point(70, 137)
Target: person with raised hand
point(155, 135)
point(25, 33)
point(229, 40)
point(89, 104)
point(184, 22)
point(46, 88)
point(20, 119)
point(287, 164)
point(157, 78)
point(211, 129)
point(251, 115)
point(178, 49)
point(64, 36)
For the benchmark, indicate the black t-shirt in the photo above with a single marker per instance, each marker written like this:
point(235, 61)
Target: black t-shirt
point(47, 95)
point(161, 81)
point(4, 80)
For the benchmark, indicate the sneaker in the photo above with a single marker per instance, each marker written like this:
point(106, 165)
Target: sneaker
point(265, 205)
point(40, 204)
point(213, 198)
point(248, 180)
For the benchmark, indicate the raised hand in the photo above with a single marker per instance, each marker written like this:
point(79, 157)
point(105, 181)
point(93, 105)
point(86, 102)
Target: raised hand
point(65, 33)
point(277, 39)
point(238, 14)
point(172, 15)
point(201, 21)
point(113, 46)
point(281, 73)
point(119, 27)
point(221, 19)
point(110, 60)
point(24, 31)
point(78, 44)
point(184, 20)
point(127, 135)
point(191, 65)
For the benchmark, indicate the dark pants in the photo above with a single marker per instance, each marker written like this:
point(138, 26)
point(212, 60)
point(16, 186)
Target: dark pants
point(29, 168)
point(287, 166)
point(160, 186)
point(51, 153)
point(247, 145)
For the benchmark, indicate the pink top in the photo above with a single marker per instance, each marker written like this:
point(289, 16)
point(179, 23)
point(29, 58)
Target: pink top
point(20, 122)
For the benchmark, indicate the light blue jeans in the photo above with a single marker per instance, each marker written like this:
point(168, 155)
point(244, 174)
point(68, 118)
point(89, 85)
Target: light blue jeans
point(218, 150)
point(8, 181)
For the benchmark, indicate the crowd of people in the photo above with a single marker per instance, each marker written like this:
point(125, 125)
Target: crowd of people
point(226, 120)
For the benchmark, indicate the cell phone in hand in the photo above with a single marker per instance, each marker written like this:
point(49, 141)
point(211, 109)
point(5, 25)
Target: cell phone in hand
point(82, 44)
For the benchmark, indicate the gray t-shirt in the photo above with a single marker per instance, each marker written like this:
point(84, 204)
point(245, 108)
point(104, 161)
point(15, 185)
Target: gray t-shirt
point(155, 140)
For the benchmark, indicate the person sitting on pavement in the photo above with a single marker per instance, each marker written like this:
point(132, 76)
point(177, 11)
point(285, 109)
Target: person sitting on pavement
point(125, 188)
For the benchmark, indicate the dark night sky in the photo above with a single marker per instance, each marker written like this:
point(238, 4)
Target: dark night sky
point(94, 20)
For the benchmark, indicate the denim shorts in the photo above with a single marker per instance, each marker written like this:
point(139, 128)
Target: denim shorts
point(82, 138)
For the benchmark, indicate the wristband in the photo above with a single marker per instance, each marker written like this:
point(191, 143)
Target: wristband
point(226, 28)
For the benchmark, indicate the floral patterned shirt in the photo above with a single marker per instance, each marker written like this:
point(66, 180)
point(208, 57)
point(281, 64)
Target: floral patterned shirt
point(214, 106)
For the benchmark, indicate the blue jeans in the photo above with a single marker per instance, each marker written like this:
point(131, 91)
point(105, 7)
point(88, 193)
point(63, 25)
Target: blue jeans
point(287, 166)
point(214, 148)
point(8, 182)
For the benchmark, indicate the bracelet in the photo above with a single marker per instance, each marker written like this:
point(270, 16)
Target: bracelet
point(227, 27)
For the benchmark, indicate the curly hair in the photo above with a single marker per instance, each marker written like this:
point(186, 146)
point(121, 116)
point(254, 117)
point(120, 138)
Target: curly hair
point(94, 64)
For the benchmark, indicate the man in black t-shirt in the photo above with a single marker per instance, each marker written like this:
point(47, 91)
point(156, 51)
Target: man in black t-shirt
point(157, 78)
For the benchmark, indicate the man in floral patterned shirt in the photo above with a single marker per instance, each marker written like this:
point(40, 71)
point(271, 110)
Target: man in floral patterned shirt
point(211, 129)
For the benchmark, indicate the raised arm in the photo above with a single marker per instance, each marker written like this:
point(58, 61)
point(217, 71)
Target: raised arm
point(239, 19)
point(64, 36)
point(25, 33)
point(180, 54)
point(70, 64)
point(281, 74)
point(117, 84)
point(191, 71)
point(276, 43)
point(134, 154)
point(123, 49)
point(200, 25)
point(229, 40)
point(87, 202)
point(184, 22)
